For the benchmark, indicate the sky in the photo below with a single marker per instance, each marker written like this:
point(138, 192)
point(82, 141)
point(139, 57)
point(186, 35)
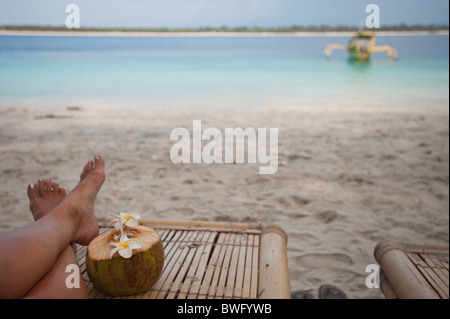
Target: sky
point(217, 13)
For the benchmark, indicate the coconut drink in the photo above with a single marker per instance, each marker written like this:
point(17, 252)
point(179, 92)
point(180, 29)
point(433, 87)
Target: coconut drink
point(126, 260)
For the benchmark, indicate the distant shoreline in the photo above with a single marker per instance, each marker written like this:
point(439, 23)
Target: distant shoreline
point(211, 33)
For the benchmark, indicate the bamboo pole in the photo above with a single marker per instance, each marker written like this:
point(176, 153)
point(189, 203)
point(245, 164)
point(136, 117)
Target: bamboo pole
point(273, 266)
point(193, 223)
point(405, 278)
point(386, 287)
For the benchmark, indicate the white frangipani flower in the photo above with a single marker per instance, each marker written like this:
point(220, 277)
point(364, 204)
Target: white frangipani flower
point(129, 219)
point(124, 247)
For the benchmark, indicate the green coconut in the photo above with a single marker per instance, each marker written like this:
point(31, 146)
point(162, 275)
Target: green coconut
point(118, 276)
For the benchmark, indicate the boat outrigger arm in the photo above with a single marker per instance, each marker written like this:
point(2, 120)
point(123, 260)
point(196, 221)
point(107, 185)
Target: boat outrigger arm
point(391, 52)
point(361, 46)
point(330, 47)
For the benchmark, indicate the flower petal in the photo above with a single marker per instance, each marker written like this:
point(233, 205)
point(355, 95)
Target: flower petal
point(134, 244)
point(113, 251)
point(132, 222)
point(126, 252)
point(124, 239)
point(135, 215)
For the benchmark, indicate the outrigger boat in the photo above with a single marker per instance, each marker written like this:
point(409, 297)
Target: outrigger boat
point(361, 46)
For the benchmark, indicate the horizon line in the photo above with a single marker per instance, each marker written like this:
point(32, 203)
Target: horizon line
point(243, 29)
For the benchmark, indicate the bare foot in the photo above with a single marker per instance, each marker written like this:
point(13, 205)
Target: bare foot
point(44, 195)
point(80, 201)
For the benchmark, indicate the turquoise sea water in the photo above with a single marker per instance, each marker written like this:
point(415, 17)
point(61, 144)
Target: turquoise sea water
point(219, 71)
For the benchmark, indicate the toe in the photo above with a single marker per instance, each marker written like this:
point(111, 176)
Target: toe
point(48, 185)
point(62, 192)
point(40, 187)
point(31, 191)
point(87, 169)
point(99, 163)
point(36, 189)
point(55, 187)
point(99, 168)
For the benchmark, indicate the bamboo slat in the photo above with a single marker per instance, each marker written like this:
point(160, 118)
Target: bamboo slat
point(192, 284)
point(248, 267)
point(212, 260)
point(432, 273)
point(255, 263)
point(225, 268)
point(241, 267)
point(212, 268)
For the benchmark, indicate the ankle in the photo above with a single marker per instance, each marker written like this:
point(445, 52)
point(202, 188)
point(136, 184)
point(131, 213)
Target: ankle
point(68, 216)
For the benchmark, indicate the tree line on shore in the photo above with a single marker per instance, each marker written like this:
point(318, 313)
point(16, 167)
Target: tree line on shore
point(246, 29)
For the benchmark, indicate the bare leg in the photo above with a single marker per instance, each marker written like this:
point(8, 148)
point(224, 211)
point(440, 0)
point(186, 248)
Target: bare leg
point(28, 253)
point(44, 197)
point(53, 284)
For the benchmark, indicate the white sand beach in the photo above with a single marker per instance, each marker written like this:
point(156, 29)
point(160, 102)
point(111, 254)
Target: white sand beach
point(346, 179)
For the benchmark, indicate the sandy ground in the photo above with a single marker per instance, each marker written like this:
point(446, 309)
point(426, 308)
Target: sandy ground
point(346, 180)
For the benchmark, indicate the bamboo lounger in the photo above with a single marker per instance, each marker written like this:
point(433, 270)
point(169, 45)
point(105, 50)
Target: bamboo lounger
point(215, 260)
point(413, 271)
